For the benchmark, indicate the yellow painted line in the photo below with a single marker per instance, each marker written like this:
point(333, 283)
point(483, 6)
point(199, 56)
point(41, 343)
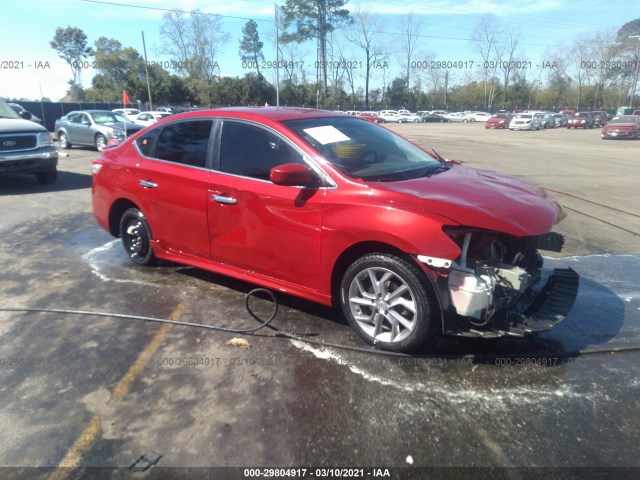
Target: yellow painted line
point(87, 437)
point(74, 455)
point(124, 385)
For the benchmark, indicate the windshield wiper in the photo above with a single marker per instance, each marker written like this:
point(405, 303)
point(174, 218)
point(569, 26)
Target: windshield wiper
point(438, 156)
point(442, 167)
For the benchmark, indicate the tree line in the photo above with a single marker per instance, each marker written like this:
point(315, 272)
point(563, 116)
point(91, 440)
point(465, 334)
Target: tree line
point(355, 65)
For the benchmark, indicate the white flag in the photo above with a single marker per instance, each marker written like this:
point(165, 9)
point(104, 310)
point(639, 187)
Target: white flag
point(279, 18)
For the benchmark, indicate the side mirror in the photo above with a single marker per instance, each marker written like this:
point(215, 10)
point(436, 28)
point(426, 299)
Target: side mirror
point(293, 175)
point(26, 115)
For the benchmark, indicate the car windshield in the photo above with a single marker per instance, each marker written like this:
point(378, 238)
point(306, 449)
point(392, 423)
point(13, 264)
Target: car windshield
point(524, 116)
point(623, 120)
point(102, 118)
point(6, 111)
point(364, 150)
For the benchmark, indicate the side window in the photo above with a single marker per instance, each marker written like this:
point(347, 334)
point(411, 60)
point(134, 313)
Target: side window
point(146, 141)
point(184, 142)
point(74, 118)
point(251, 151)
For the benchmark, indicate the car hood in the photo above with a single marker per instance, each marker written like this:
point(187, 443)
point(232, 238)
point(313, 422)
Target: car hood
point(11, 125)
point(483, 199)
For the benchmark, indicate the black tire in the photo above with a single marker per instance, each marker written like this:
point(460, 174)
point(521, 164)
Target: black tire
point(370, 309)
point(100, 142)
point(136, 237)
point(64, 140)
point(49, 176)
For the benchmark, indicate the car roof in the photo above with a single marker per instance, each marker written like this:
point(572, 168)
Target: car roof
point(91, 111)
point(263, 113)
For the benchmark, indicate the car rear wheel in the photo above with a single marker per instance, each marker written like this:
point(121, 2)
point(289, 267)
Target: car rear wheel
point(136, 237)
point(101, 142)
point(385, 299)
point(64, 141)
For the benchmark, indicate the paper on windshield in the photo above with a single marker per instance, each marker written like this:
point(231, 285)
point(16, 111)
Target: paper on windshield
point(327, 134)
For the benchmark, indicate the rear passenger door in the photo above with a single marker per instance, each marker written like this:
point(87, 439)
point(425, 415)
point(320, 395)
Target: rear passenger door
point(172, 185)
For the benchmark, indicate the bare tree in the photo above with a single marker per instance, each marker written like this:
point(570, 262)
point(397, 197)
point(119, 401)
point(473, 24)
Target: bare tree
point(603, 52)
point(579, 64)
point(366, 34)
point(193, 43)
point(484, 40)
point(509, 61)
point(411, 27)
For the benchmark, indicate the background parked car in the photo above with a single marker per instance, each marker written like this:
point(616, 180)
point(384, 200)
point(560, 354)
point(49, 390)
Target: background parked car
point(25, 114)
point(525, 121)
point(600, 118)
point(408, 118)
point(626, 126)
point(389, 116)
point(499, 120)
point(26, 147)
point(458, 117)
point(433, 117)
point(478, 116)
point(93, 128)
point(128, 113)
point(547, 120)
point(581, 120)
point(560, 119)
point(371, 116)
point(149, 118)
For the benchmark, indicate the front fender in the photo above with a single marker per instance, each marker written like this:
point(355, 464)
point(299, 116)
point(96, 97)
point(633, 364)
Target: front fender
point(415, 233)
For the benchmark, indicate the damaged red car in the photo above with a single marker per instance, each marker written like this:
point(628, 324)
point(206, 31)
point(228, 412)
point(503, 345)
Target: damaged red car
point(343, 212)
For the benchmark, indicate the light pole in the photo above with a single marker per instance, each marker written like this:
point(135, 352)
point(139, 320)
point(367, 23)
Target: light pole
point(635, 75)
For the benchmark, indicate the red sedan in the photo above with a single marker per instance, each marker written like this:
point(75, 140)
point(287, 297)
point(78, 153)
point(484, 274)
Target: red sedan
point(500, 120)
point(342, 212)
point(624, 126)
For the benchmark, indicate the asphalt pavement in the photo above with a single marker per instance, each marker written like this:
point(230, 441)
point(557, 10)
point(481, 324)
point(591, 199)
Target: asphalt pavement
point(89, 391)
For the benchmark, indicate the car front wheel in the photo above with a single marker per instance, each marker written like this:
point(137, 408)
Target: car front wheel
point(64, 141)
point(385, 299)
point(101, 142)
point(136, 237)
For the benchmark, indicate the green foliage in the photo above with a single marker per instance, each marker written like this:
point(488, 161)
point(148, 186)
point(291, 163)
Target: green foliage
point(251, 46)
point(315, 19)
point(123, 69)
point(71, 45)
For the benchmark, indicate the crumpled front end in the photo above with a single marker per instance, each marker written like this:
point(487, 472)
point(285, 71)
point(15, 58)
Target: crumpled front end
point(497, 286)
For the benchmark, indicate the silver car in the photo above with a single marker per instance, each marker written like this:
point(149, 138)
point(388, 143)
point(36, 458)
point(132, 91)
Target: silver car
point(93, 128)
point(525, 121)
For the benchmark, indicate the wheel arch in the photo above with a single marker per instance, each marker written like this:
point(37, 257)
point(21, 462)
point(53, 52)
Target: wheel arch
point(115, 214)
point(358, 250)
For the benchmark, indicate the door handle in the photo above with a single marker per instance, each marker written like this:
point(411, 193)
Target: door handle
point(223, 199)
point(147, 184)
